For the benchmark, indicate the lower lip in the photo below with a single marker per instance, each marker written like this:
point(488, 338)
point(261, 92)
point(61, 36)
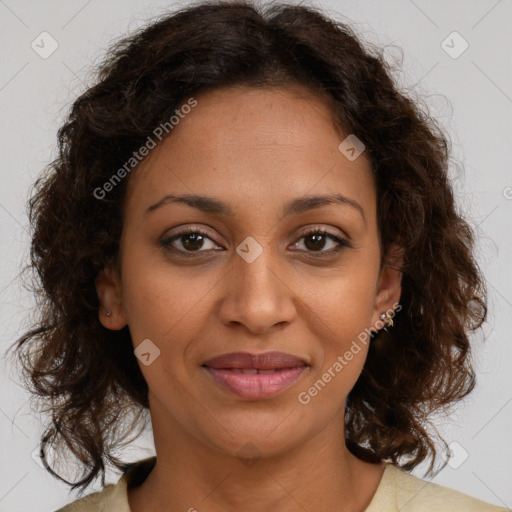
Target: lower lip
point(256, 386)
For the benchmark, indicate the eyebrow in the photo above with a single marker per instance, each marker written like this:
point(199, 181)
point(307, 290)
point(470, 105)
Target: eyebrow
point(294, 207)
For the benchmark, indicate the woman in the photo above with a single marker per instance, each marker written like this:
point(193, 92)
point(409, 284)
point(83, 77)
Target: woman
point(249, 234)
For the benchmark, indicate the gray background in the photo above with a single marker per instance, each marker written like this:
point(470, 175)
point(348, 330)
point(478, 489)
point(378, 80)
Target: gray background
point(470, 95)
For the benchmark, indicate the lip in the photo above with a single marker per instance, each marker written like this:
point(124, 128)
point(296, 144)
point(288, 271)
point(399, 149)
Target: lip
point(279, 372)
point(264, 361)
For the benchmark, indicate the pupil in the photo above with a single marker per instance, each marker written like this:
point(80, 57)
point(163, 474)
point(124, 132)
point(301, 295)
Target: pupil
point(318, 242)
point(196, 239)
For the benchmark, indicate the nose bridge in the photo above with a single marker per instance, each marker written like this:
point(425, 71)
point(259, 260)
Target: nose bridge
point(256, 266)
point(257, 295)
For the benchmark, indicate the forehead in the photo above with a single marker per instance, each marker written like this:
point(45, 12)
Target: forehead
point(268, 143)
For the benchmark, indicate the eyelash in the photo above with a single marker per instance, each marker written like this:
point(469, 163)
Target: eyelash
point(342, 243)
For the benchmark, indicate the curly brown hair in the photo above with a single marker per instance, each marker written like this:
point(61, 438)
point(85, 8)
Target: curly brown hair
point(87, 377)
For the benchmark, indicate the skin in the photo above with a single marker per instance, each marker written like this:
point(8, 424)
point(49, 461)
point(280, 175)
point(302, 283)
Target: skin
point(255, 149)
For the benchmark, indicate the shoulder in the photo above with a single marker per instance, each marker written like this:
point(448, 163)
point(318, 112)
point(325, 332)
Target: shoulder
point(113, 497)
point(404, 492)
point(109, 498)
point(98, 501)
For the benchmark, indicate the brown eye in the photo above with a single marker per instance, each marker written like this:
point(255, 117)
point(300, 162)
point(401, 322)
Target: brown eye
point(190, 240)
point(316, 240)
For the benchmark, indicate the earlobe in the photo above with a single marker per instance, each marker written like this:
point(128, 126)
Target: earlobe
point(389, 286)
point(108, 289)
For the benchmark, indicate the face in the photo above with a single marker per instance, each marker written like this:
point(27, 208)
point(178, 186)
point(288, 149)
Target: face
point(249, 270)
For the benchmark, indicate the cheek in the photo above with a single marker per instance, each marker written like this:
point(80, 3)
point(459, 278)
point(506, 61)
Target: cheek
point(344, 301)
point(158, 297)
point(340, 315)
point(339, 319)
point(168, 312)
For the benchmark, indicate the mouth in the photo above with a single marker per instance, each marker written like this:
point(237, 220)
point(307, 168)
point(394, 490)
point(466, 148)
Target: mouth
point(255, 376)
point(251, 371)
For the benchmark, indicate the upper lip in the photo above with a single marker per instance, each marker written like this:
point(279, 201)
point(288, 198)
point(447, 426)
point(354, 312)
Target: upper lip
point(263, 361)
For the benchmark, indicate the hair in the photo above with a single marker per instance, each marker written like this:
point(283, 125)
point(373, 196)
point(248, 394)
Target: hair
point(86, 377)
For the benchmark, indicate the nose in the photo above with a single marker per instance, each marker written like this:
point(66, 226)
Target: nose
point(259, 294)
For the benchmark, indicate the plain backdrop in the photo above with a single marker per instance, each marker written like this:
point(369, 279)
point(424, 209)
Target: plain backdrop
point(469, 90)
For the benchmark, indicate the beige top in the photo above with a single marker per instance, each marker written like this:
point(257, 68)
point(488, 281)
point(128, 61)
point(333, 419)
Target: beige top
point(398, 491)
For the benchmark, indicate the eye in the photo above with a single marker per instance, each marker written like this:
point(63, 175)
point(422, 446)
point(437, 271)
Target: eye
point(316, 240)
point(192, 240)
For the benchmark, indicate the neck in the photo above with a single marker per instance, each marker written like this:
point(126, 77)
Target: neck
point(319, 474)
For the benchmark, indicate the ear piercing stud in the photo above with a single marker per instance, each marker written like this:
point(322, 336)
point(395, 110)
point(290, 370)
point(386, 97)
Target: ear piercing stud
point(386, 317)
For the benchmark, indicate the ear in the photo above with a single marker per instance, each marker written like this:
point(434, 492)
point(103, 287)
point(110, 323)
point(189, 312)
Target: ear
point(108, 288)
point(389, 286)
